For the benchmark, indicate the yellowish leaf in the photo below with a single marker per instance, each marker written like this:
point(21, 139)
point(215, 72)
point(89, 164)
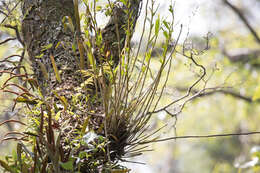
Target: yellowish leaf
point(57, 74)
point(256, 95)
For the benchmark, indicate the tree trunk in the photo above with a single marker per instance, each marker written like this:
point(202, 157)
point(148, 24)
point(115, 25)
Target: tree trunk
point(57, 66)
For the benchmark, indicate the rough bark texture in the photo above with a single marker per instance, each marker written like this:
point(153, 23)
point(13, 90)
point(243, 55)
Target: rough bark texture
point(42, 26)
point(46, 37)
point(114, 31)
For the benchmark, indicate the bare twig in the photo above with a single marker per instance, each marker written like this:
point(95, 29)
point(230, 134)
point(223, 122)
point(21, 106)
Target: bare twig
point(188, 92)
point(6, 40)
point(9, 57)
point(211, 91)
point(241, 55)
point(243, 19)
point(9, 12)
point(2, 12)
point(11, 121)
point(16, 32)
point(200, 136)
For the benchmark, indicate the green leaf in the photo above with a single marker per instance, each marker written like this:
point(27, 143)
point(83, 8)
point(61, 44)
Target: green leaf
point(124, 2)
point(57, 45)
point(39, 56)
point(98, 8)
point(157, 26)
point(165, 33)
point(171, 8)
point(46, 47)
point(84, 126)
point(57, 116)
point(148, 56)
point(91, 60)
point(143, 68)
point(166, 24)
point(27, 100)
point(74, 47)
point(67, 165)
point(256, 95)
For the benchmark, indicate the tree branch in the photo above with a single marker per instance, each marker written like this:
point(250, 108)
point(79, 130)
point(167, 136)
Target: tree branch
point(243, 18)
point(15, 28)
point(6, 40)
point(189, 90)
point(241, 54)
point(199, 137)
point(201, 93)
point(211, 91)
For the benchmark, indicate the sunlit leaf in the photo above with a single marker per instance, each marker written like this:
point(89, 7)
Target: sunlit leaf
point(57, 74)
point(46, 47)
point(21, 99)
point(165, 33)
point(39, 56)
point(84, 126)
point(166, 24)
point(157, 26)
point(57, 116)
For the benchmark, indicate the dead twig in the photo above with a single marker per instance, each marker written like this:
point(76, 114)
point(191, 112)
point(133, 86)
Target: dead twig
point(211, 91)
point(200, 136)
point(6, 40)
point(18, 36)
point(188, 92)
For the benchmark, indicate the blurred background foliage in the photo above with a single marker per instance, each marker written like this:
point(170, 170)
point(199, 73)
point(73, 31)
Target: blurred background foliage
point(233, 64)
point(218, 112)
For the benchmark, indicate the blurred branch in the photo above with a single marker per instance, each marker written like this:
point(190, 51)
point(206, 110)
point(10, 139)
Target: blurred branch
point(12, 121)
point(202, 93)
point(240, 14)
point(9, 11)
point(18, 36)
point(201, 136)
point(2, 12)
point(189, 90)
point(241, 54)
point(211, 91)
